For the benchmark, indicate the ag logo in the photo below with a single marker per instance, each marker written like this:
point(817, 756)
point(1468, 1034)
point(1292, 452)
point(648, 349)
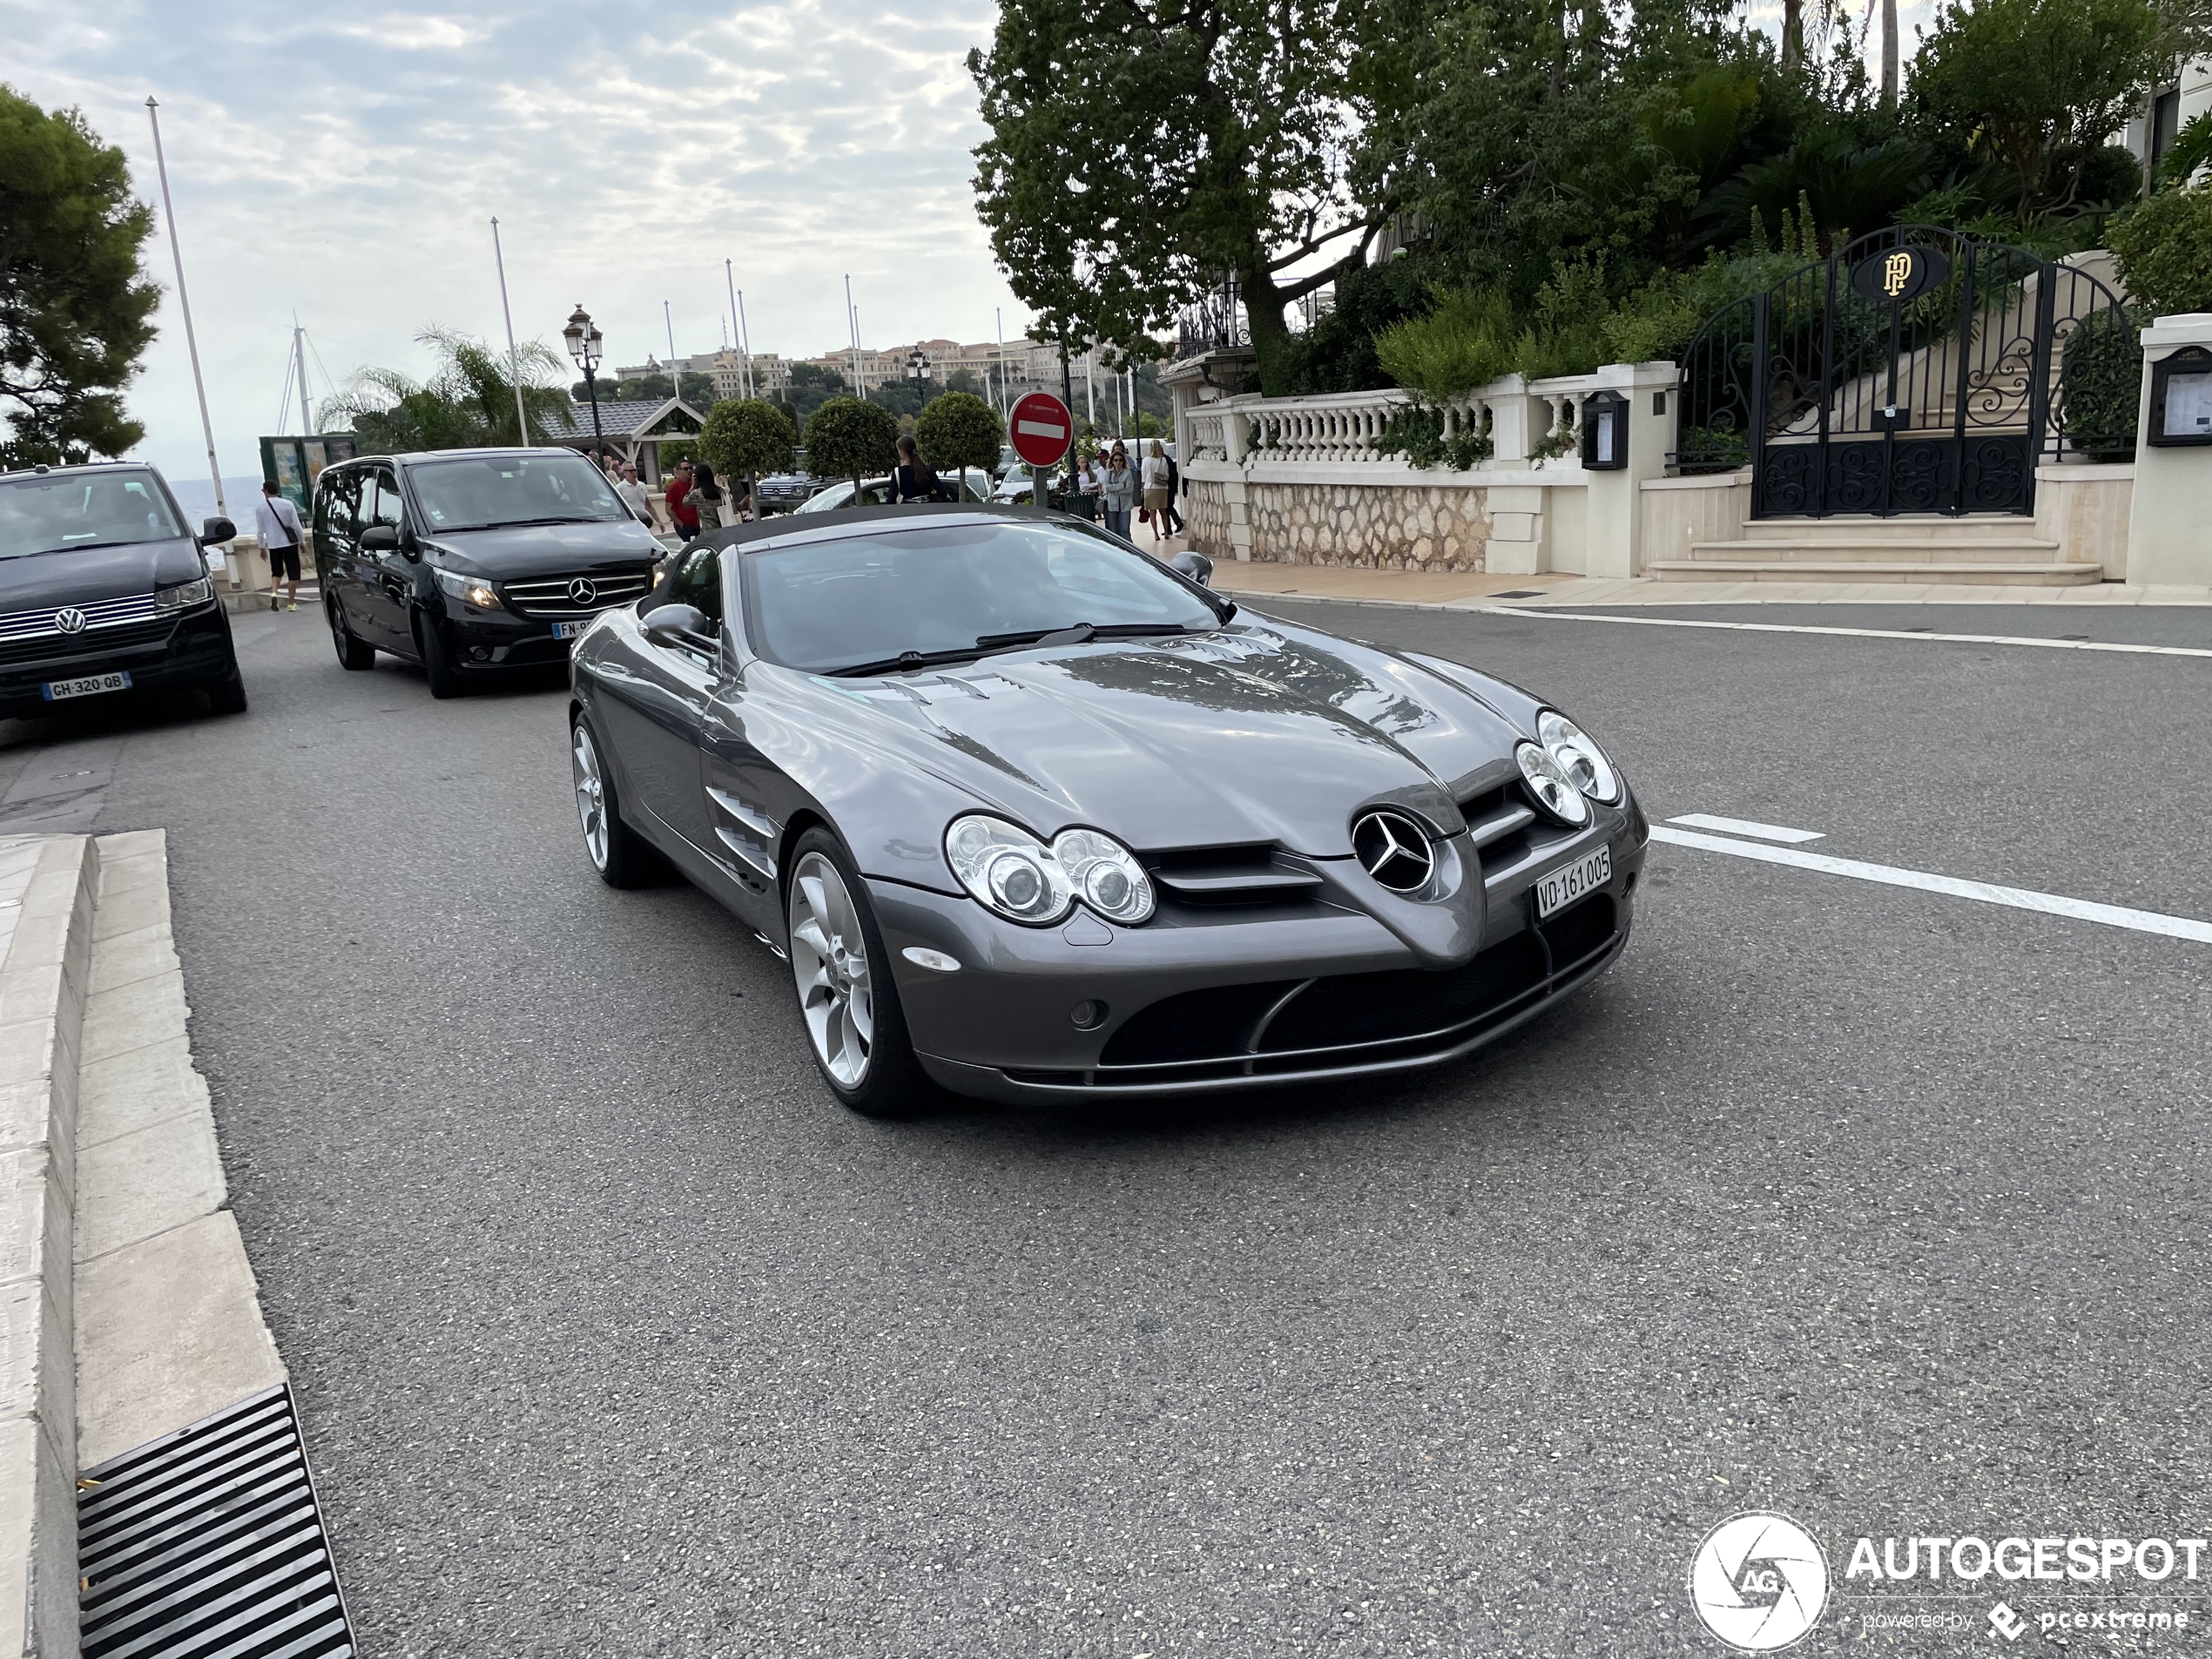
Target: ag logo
point(1759, 1582)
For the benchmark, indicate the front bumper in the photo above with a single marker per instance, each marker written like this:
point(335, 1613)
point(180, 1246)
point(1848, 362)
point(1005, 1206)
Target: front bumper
point(1318, 991)
point(190, 651)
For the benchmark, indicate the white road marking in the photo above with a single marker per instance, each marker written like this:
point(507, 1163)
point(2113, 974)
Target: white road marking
point(1745, 826)
point(2052, 903)
point(1852, 633)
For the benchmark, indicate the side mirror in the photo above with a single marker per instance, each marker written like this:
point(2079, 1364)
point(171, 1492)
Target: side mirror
point(678, 625)
point(1196, 566)
point(380, 538)
point(217, 529)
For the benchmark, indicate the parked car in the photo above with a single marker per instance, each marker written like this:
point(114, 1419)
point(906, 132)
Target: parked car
point(103, 589)
point(780, 492)
point(876, 492)
point(473, 562)
point(1035, 817)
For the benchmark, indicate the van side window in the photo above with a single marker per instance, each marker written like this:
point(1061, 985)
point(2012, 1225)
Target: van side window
point(387, 509)
point(337, 501)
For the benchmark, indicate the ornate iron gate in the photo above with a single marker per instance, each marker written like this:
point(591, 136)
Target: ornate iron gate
point(1915, 370)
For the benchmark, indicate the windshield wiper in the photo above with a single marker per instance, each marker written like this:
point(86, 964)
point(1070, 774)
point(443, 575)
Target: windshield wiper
point(521, 524)
point(1081, 633)
point(904, 663)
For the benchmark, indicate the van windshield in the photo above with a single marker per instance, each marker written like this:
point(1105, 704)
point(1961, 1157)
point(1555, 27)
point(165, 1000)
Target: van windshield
point(57, 512)
point(480, 492)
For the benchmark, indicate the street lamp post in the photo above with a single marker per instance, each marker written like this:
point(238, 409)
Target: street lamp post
point(584, 345)
point(918, 372)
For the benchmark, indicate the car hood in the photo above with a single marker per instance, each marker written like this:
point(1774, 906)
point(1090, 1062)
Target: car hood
point(75, 576)
point(1255, 733)
point(551, 549)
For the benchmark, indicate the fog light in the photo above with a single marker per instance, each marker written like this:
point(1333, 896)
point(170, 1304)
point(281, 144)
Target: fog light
point(482, 653)
point(1088, 1016)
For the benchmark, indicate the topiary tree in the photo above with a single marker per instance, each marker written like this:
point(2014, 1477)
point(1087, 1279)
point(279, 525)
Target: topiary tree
point(744, 437)
point(2163, 248)
point(959, 429)
point(849, 438)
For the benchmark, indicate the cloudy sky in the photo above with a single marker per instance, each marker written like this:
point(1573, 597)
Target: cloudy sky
point(345, 164)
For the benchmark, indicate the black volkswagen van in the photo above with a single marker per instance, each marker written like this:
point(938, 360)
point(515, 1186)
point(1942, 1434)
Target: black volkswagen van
point(103, 590)
point(472, 562)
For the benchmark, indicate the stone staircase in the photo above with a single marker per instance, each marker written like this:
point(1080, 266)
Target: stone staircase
point(1995, 551)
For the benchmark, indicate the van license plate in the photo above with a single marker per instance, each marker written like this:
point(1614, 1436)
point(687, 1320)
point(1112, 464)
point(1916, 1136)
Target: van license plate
point(1561, 887)
point(570, 629)
point(90, 686)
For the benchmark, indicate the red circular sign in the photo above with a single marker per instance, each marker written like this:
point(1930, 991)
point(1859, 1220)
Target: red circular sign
point(1042, 428)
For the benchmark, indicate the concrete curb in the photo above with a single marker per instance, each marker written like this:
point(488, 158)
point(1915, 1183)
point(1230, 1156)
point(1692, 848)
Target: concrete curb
point(48, 885)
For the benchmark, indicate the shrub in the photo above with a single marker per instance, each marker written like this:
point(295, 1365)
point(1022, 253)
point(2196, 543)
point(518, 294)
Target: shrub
point(1467, 341)
point(744, 437)
point(2163, 248)
point(2100, 379)
point(674, 452)
point(1417, 432)
point(959, 430)
point(848, 438)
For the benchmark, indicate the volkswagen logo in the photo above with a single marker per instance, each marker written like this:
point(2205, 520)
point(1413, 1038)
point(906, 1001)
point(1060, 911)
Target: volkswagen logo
point(583, 590)
point(1392, 848)
point(71, 620)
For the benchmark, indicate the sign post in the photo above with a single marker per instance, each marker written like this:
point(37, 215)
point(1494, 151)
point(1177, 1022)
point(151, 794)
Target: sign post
point(1042, 429)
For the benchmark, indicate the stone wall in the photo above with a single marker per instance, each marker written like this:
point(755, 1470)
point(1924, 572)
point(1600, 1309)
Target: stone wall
point(1205, 518)
point(1375, 528)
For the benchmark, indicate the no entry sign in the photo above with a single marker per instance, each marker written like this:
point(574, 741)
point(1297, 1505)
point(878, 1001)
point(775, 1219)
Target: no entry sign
point(1042, 428)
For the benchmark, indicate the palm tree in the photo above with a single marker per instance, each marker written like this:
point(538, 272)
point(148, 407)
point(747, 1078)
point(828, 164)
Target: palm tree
point(467, 400)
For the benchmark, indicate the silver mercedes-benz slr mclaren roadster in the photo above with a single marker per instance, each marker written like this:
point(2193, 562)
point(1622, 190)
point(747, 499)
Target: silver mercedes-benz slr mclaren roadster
point(1035, 816)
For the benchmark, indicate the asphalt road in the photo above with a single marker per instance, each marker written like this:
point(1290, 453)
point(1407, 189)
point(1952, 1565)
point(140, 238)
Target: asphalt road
point(613, 1335)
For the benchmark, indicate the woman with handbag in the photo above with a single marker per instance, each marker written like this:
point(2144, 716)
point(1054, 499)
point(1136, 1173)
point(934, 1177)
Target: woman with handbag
point(705, 497)
point(1155, 491)
point(912, 479)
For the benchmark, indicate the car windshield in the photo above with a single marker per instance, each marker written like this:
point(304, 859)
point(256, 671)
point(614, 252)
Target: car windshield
point(55, 512)
point(876, 492)
point(480, 492)
point(939, 591)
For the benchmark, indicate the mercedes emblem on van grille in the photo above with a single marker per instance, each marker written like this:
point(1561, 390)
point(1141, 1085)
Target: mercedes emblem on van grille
point(1393, 849)
point(70, 620)
point(583, 590)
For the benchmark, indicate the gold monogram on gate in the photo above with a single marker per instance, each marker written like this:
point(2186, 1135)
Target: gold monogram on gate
point(1896, 271)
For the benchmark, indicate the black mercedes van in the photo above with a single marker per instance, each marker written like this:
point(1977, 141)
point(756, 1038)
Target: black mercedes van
point(471, 562)
point(103, 590)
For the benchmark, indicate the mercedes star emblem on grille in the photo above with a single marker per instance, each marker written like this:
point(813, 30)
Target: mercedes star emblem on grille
point(583, 590)
point(70, 620)
point(1393, 849)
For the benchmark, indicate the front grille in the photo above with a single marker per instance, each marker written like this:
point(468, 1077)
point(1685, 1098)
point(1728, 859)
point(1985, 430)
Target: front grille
point(100, 615)
point(549, 596)
point(1244, 874)
point(208, 1545)
point(101, 639)
point(1277, 1025)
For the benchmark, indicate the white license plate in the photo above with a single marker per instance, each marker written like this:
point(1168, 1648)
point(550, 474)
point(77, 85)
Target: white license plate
point(1561, 887)
point(90, 686)
point(570, 629)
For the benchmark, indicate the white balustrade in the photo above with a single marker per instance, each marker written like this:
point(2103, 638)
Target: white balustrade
point(1342, 428)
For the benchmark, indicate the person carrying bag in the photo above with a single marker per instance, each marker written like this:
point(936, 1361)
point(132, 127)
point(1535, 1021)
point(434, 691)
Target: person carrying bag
point(911, 480)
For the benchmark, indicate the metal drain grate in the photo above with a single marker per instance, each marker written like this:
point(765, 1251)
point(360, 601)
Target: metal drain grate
point(207, 1544)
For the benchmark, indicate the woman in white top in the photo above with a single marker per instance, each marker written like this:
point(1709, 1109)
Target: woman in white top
point(1156, 490)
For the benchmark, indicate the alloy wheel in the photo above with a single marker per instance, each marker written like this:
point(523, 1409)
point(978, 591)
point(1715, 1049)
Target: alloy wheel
point(829, 962)
point(590, 796)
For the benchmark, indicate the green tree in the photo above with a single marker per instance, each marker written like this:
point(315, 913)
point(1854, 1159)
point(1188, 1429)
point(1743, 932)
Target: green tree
point(1139, 151)
point(847, 437)
point(696, 389)
point(75, 313)
point(810, 386)
point(2163, 248)
point(744, 437)
point(467, 400)
point(962, 379)
point(959, 429)
point(2035, 85)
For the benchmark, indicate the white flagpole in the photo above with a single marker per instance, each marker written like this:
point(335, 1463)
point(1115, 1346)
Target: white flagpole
point(184, 304)
point(737, 310)
point(514, 358)
point(675, 374)
point(745, 342)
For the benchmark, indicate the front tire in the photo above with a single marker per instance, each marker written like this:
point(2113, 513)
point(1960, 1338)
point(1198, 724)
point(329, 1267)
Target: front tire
point(621, 856)
point(437, 662)
point(847, 997)
point(352, 652)
point(228, 697)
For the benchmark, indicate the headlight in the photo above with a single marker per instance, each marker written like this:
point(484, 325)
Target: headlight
point(1578, 756)
point(183, 597)
point(472, 589)
point(1009, 870)
point(1549, 782)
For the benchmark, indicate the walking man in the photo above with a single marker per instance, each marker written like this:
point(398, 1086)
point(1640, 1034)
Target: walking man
point(684, 519)
point(277, 522)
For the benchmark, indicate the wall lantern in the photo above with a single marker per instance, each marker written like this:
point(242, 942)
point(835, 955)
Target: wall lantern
point(1605, 432)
